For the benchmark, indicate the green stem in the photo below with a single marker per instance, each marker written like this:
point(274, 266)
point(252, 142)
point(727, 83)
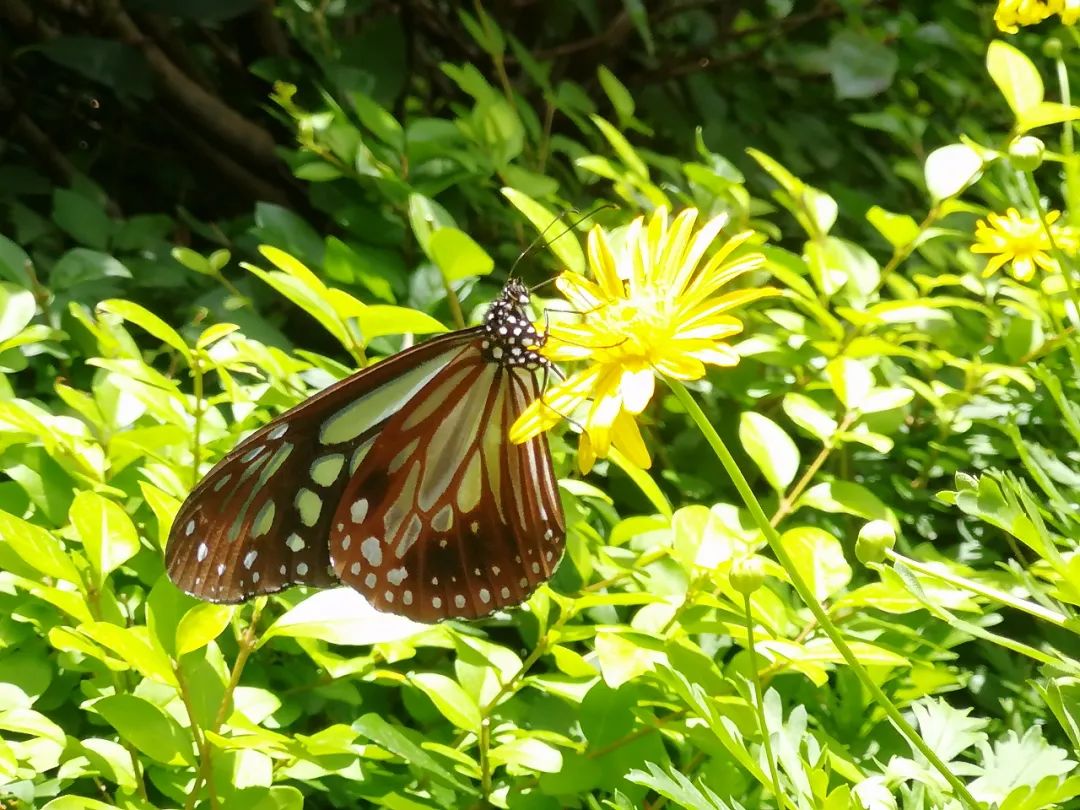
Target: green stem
point(993, 594)
point(196, 445)
point(1068, 151)
point(455, 305)
point(807, 595)
point(759, 704)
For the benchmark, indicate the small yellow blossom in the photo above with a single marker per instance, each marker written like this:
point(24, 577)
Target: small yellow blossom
point(1012, 14)
point(1020, 242)
point(652, 308)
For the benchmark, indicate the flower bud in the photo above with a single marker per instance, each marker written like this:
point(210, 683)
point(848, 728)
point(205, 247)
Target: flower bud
point(1052, 48)
point(1026, 153)
point(747, 575)
point(875, 538)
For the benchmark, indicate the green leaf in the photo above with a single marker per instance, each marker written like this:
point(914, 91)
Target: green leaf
point(142, 317)
point(527, 754)
point(851, 381)
point(617, 94)
point(1045, 113)
point(342, 616)
point(147, 727)
point(201, 625)
point(37, 548)
point(1015, 75)
point(562, 242)
point(898, 229)
point(385, 127)
point(134, 646)
point(17, 309)
point(106, 531)
point(819, 557)
point(449, 698)
point(770, 447)
point(458, 256)
point(622, 147)
point(810, 416)
point(77, 803)
point(427, 217)
point(677, 787)
point(845, 497)
point(951, 169)
point(397, 741)
point(83, 219)
point(861, 66)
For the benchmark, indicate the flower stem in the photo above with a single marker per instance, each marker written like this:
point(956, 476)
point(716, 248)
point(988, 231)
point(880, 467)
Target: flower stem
point(993, 594)
point(807, 595)
point(759, 704)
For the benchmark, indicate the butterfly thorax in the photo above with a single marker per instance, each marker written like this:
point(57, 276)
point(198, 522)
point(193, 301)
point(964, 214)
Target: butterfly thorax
point(510, 339)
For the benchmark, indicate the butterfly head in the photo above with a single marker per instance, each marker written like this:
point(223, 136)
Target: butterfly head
point(510, 339)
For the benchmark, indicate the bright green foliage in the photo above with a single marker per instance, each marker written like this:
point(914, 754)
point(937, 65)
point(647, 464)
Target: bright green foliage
point(910, 427)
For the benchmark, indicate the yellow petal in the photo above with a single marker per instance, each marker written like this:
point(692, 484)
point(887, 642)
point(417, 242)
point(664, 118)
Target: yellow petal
point(715, 266)
point(719, 355)
point(603, 265)
point(580, 291)
point(681, 368)
point(637, 388)
point(586, 458)
point(702, 242)
point(671, 255)
point(626, 437)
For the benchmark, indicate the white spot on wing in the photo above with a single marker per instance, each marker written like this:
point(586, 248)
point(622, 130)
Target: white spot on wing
point(371, 579)
point(277, 432)
point(295, 544)
point(459, 601)
point(190, 528)
point(358, 511)
point(201, 552)
point(485, 595)
point(395, 576)
point(249, 559)
point(371, 548)
point(302, 569)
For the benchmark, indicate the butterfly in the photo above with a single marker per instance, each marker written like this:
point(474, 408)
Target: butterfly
point(399, 481)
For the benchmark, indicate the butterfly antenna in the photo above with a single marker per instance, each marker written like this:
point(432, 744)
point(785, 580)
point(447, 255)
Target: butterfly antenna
point(539, 240)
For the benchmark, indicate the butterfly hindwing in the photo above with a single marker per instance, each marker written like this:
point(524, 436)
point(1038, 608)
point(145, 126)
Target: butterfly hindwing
point(446, 517)
point(259, 521)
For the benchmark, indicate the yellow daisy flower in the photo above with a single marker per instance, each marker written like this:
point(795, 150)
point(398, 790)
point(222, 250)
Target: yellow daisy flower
point(651, 308)
point(1012, 14)
point(1017, 241)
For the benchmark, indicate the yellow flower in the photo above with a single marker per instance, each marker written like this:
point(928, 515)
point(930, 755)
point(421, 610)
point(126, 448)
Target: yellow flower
point(1011, 14)
point(652, 308)
point(1069, 11)
point(1018, 241)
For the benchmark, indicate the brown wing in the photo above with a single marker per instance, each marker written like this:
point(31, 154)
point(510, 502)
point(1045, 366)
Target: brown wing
point(259, 521)
point(446, 518)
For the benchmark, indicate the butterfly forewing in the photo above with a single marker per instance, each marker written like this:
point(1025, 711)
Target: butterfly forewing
point(259, 521)
point(446, 517)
